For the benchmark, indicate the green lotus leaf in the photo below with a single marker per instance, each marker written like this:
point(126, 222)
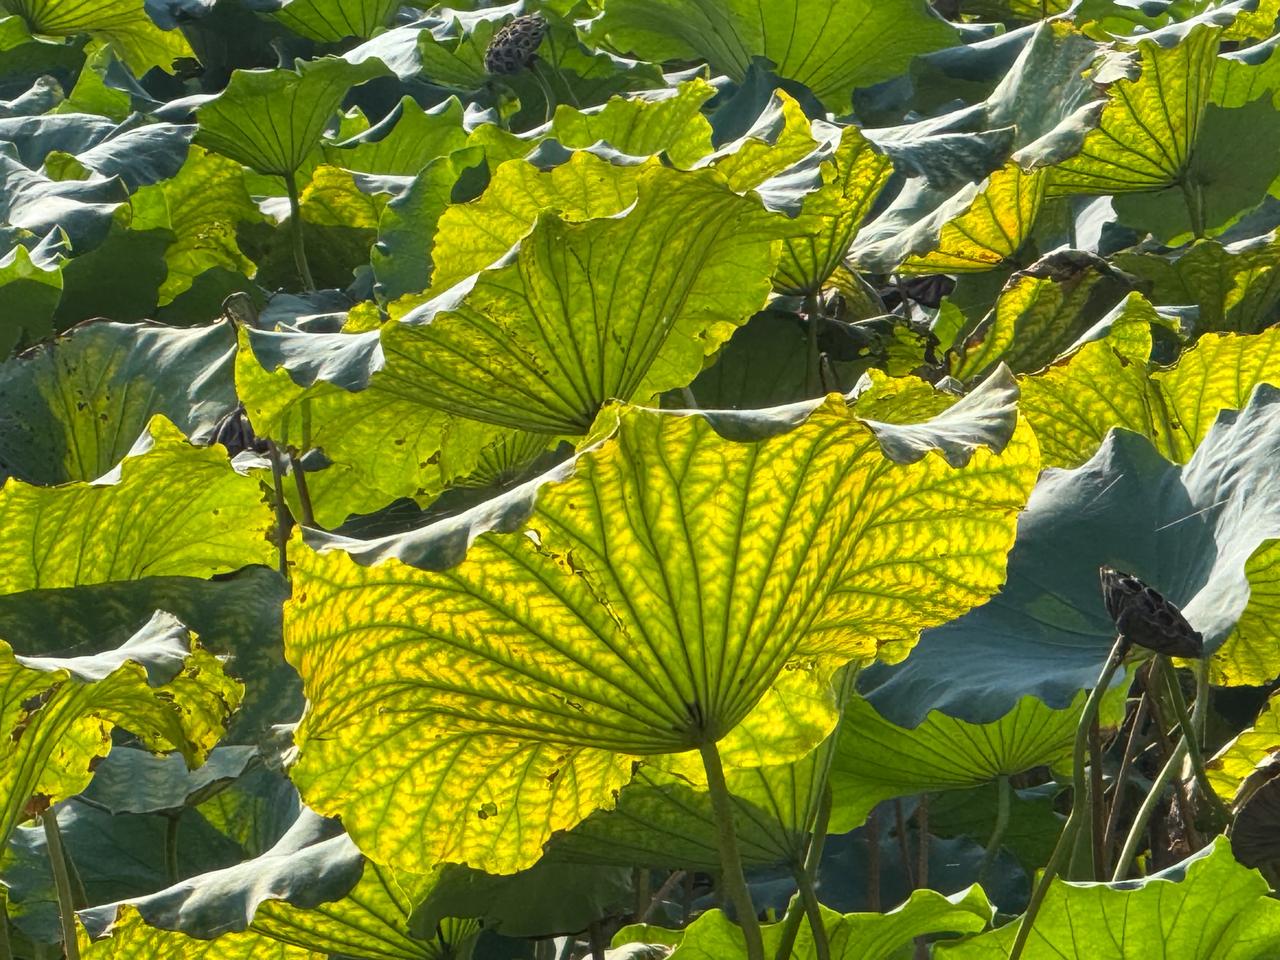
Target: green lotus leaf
point(1017, 9)
point(1144, 137)
point(1030, 832)
point(1246, 74)
point(56, 714)
point(1245, 753)
point(403, 256)
point(853, 936)
point(235, 616)
point(451, 53)
point(130, 780)
point(473, 236)
point(34, 202)
point(30, 289)
point(1236, 286)
point(1223, 185)
point(980, 228)
point(1109, 383)
point(202, 205)
point(403, 142)
point(1043, 311)
point(312, 891)
point(525, 744)
point(1210, 908)
point(330, 21)
point(853, 172)
point(169, 510)
point(779, 137)
point(877, 760)
point(333, 392)
point(132, 939)
point(272, 120)
point(125, 24)
point(1190, 531)
point(670, 122)
point(664, 819)
point(829, 47)
point(579, 314)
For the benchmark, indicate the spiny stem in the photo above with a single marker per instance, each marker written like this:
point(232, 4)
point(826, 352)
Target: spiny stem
point(61, 883)
point(732, 876)
point(295, 224)
point(1003, 797)
point(1078, 802)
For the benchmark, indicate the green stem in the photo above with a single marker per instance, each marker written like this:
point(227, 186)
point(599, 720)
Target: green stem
point(295, 224)
point(732, 876)
point(813, 317)
point(596, 936)
point(547, 93)
point(790, 927)
point(1003, 797)
point(282, 510)
point(809, 896)
point(873, 862)
point(1187, 726)
point(304, 494)
point(1149, 804)
point(62, 883)
point(1126, 765)
point(1078, 802)
point(6, 951)
point(1097, 807)
point(171, 849)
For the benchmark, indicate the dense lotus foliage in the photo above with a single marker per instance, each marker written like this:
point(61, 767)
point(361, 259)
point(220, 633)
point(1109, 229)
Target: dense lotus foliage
point(629, 479)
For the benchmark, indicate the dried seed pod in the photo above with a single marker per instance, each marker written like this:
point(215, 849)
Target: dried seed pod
point(512, 48)
point(1146, 618)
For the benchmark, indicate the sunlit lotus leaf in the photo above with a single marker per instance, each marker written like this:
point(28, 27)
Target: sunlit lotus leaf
point(1208, 908)
point(56, 714)
point(632, 614)
point(125, 24)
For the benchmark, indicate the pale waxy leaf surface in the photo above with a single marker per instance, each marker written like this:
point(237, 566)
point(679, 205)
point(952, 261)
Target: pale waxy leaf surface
point(674, 594)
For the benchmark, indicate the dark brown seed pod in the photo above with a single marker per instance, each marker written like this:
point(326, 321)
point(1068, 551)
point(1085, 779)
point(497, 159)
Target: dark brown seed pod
point(512, 48)
point(1146, 618)
point(1255, 832)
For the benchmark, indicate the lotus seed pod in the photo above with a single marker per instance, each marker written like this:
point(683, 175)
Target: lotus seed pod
point(513, 47)
point(1146, 618)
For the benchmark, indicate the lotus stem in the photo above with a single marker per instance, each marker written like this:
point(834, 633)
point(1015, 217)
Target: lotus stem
point(1187, 726)
point(663, 892)
point(873, 862)
point(171, 849)
point(596, 936)
point(1193, 196)
point(295, 224)
point(732, 878)
point(813, 911)
point(547, 93)
point(61, 883)
point(1139, 826)
point(904, 853)
point(1097, 807)
point(1078, 803)
point(6, 951)
point(282, 511)
point(304, 494)
point(922, 842)
point(813, 317)
point(1004, 796)
point(1126, 765)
